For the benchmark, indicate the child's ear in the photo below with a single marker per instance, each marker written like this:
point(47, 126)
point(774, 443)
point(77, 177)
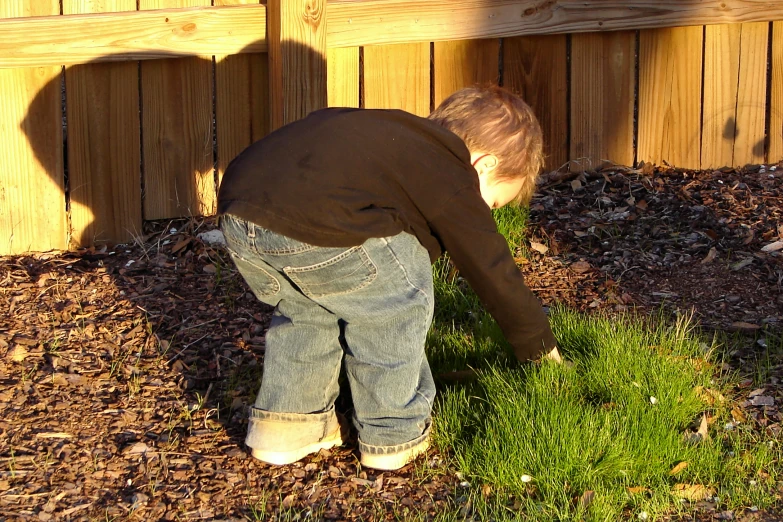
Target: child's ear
point(484, 163)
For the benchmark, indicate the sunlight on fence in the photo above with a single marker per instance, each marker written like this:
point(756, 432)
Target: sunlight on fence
point(149, 138)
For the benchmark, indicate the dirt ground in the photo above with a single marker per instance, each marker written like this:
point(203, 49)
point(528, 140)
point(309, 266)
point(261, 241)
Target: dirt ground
point(126, 372)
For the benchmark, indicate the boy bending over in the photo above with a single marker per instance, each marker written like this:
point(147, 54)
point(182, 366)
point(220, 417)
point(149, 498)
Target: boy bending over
point(335, 220)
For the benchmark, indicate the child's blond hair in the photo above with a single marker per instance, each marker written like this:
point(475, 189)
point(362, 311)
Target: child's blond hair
point(494, 120)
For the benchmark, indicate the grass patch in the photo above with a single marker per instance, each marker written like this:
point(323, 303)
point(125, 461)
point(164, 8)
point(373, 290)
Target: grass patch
point(532, 441)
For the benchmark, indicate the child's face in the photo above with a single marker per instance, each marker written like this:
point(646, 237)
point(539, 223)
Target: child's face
point(495, 192)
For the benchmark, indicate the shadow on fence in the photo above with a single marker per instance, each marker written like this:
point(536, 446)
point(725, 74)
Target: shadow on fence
point(140, 138)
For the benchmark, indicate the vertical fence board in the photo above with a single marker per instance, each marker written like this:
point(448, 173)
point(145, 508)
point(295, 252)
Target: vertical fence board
point(104, 177)
point(297, 59)
point(342, 66)
point(735, 81)
point(752, 95)
point(464, 63)
point(241, 100)
point(776, 100)
point(670, 96)
point(177, 131)
point(721, 68)
point(32, 196)
point(397, 77)
point(535, 67)
point(602, 98)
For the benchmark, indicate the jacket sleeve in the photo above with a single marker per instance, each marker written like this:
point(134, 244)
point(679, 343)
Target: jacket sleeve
point(468, 232)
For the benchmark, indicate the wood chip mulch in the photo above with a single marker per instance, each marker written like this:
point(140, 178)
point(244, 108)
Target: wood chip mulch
point(126, 372)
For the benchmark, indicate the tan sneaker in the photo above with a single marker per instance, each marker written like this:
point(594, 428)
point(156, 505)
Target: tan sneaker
point(284, 438)
point(281, 458)
point(392, 461)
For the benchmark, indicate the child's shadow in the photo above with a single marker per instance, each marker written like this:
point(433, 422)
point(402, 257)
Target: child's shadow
point(145, 140)
point(133, 141)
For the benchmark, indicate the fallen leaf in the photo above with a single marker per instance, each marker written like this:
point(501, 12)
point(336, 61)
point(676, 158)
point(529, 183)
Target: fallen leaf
point(58, 379)
point(580, 266)
point(638, 489)
point(772, 247)
point(180, 245)
point(704, 428)
point(137, 449)
point(744, 327)
point(576, 185)
point(363, 482)
point(742, 264)
point(209, 269)
point(708, 396)
point(486, 490)
point(757, 391)
point(694, 492)
point(54, 435)
point(288, 501)
point(762, 400)
point(737, 415)
point(642, 204)
point(579, 233)
point(679, 467)
point(539, 247)
point(586, 498)
point(18, 353)
point(711, 255)
point(71, 511)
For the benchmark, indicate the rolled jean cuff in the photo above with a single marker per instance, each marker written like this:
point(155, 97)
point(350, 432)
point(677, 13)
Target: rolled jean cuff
point(391, 450)
point(272, 431)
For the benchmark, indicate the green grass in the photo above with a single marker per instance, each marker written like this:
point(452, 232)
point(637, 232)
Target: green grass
point(592, 426)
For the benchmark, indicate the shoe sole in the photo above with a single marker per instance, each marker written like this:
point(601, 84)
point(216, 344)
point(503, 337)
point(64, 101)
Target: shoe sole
point(395, 460)
point(280, 458)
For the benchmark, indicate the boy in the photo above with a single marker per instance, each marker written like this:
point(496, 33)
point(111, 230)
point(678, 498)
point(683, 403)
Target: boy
point(334, 220)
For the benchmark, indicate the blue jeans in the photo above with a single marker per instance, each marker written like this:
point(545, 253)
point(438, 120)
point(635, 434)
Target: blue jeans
point(369, 306)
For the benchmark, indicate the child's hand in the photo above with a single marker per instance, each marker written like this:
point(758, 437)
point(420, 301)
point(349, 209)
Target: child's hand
point(554, 355)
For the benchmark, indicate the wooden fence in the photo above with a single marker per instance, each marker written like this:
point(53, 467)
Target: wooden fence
point(115, 117)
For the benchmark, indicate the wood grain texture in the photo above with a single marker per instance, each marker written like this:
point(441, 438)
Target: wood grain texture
point(104, 148)
point(670, 96)
point(377, 22)
point(241, 100)
point(342, 67)
point(464, 63)
point(131, 35)
point(297, 59)
point(776, 98)
point(602, 99)
point(398, 77)
point(735, 87)
point(177, 139)
point(32, 195)
point(535, 67)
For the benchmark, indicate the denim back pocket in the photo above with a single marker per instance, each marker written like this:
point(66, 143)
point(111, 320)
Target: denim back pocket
point(347, 272)
point(259, 279)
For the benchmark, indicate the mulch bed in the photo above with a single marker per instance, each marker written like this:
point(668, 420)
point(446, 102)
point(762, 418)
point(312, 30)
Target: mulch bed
point(126, 372)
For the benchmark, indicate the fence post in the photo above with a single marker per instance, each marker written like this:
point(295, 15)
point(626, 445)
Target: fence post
point(297, 59)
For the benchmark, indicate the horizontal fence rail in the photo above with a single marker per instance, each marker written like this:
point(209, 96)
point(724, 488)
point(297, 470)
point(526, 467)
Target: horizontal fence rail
point(166, 33)
point(131, 35)
point(109, 119)
point(374, 22)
